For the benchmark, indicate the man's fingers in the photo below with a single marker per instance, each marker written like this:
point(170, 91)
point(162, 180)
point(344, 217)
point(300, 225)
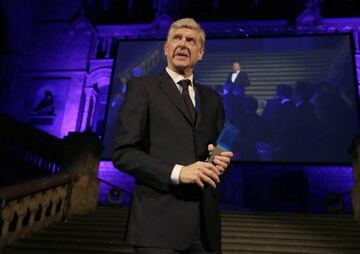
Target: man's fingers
point(200, 173)
point(207, 179)
point(223, 158)
point(221, 163)
point(211, 147)
point(227, 154)
point(212, 171)
point(211, 167)
point(199, 183)
point(221, 169)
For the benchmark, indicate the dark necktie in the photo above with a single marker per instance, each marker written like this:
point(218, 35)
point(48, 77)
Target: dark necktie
point(185, 83)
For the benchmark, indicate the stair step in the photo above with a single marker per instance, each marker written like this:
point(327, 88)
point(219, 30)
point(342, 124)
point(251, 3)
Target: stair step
point(293, 242)
point(100, 219)
point(279, 222)
point(75, 245)
point(114, 238)
point(281, 249)
point(234, 230)
point(229, 235)
point(94, 234)
point(287, 216)
point(42, 250)
point(242, 232)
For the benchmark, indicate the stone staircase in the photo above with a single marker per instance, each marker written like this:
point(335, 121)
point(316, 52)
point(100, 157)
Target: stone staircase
point(265, 70)
point(103, 230)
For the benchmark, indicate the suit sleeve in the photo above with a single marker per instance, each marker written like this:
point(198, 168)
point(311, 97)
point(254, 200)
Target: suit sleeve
point(246, 80)
point(130, 145)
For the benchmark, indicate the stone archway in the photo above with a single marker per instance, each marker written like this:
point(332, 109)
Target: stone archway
point(96, 93)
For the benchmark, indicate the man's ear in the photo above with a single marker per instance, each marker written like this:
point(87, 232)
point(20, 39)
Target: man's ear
point(165, 48)
point(201, 54)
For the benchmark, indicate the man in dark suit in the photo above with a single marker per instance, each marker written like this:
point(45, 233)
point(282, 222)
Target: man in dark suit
point(163, 140)
point(236, 77)
point(280, 110)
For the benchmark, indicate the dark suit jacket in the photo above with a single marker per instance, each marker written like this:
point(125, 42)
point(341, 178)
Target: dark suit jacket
point(279, 115)
point(154, 133)
point(241, 79)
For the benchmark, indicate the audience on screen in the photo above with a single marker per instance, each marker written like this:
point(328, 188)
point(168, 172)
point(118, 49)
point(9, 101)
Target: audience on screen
point(301, 122)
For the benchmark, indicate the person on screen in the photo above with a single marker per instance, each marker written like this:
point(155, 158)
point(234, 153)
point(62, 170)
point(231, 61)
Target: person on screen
point(236, 77)
point(165, 130)
point(300, 140)
point(234, 104)
point(304, 110)
point(252, 126)
point(279, 111)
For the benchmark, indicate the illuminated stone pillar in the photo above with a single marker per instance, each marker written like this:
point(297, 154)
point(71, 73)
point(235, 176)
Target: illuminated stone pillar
point(109, 42)
point(91, 94)
point(357, 56)
point(95, 47)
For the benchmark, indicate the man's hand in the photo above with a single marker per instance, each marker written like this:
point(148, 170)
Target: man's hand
point(200, 173)
point(204, 172)
point(221, 161)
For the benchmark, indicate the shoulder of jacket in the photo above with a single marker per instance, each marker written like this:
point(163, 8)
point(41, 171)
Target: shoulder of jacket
point(207, 91)
point(143, 81)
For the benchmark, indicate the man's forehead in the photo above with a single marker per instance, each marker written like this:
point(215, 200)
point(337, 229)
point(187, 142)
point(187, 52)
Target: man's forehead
point(185, 31)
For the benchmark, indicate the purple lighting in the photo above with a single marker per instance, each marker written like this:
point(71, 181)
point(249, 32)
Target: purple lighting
point(112, 175)
point(265, 188)
point(74, 60)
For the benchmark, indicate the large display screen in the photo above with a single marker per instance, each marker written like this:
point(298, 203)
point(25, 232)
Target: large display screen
point(295, 98)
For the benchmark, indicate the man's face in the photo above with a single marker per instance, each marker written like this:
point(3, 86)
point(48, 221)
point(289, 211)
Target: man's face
point(183, 49)
point(236, 67)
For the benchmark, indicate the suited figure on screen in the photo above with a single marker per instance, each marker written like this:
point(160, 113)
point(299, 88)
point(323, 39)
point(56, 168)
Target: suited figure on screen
point(236, 77)
point(279, 111)
point(304, 109)
point(302, 136)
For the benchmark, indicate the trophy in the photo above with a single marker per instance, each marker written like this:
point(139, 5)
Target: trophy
point(225, 141)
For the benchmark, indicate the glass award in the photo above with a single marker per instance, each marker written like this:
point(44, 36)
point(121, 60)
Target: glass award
point(225, 140)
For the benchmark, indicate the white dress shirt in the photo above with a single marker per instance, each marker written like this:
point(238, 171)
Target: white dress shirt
point(175, 174)
point(177, 77)
point(234, 75)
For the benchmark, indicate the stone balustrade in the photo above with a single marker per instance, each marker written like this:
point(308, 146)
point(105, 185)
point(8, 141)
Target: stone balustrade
point(31, 213)
point(69, 187)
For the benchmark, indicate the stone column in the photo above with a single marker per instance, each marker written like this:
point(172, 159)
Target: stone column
point(21, 211)
point(7, 214)
point(91, 94)
point(82, 154)
point(95, 46)
point(109, 42)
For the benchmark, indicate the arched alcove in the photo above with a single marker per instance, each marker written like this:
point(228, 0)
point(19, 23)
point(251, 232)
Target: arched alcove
point(96, 94)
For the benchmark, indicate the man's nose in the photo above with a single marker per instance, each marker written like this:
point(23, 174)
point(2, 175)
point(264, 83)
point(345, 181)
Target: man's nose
point(182, 42)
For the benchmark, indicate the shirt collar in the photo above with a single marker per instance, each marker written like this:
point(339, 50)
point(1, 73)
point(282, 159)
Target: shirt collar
point(176, 77)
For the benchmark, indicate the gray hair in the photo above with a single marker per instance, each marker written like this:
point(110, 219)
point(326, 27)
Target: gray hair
point(190, 24)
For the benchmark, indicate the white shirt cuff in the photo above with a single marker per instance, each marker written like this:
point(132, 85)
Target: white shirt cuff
point(175, 174)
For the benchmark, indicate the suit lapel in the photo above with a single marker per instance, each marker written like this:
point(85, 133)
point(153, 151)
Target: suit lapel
point(199, 103)
point(170, 89)
point(237, 78)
